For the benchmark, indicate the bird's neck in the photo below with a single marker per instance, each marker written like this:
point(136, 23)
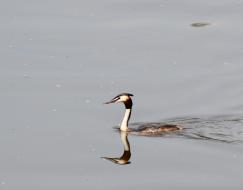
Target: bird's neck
point(124, 124)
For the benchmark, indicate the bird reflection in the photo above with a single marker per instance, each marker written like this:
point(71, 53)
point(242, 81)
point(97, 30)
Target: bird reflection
point(124, 159)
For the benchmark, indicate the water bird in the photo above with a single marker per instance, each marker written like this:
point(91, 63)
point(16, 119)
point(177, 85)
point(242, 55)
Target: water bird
point(146, 129)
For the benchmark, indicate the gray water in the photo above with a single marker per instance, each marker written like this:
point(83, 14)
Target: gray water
point(61, 59)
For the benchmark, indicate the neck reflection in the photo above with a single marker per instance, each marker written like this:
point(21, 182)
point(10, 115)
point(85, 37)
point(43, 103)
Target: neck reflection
point(125, 157)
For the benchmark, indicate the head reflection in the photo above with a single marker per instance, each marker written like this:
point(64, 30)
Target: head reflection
point(124, 159)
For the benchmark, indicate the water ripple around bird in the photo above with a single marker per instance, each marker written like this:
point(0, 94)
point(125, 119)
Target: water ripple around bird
point(224, 128)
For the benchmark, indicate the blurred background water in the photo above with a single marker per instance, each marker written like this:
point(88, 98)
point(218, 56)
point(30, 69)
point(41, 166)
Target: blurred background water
point(61, 59)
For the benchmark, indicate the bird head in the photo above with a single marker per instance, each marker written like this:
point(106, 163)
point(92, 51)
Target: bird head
point(123, 97)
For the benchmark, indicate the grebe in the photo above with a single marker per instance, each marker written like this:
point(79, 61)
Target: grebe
point(124, 159)
point(146, 129)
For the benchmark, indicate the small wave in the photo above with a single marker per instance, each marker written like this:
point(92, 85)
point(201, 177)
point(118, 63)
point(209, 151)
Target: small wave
point(224, 128)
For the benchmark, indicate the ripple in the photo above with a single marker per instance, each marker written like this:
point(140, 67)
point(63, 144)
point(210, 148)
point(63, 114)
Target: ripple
point(225, 128)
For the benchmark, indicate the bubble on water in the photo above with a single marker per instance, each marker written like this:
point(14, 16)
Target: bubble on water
point(26, 76)
point(13, 131)
point(58, 85)
point(226, 63)
point(91, 14)
point(114, 49)
point(101, 75)
point(27, 127)
point(19, 157)
point(101, 86)
point(11, 46)
point(93, 149)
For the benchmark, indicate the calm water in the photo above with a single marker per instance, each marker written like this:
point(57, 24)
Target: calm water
point(61, 59)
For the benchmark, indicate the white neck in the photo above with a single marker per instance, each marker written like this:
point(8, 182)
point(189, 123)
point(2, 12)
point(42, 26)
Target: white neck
point(124, 124)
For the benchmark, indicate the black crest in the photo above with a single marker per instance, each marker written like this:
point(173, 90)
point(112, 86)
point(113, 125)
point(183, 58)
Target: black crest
point(124, 94)
point(128, 104)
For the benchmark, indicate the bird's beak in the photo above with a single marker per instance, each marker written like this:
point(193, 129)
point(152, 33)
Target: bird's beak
point(109, 102)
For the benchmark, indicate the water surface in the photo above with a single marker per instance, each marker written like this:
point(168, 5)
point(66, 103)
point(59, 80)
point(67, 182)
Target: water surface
point(61, 59)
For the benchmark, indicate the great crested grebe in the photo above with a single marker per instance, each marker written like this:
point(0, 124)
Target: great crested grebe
point(145, 129)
